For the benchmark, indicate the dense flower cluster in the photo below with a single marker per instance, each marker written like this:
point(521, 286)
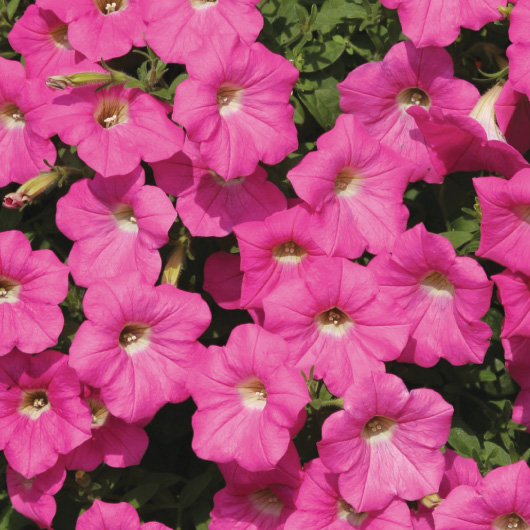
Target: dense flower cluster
point(408, 297)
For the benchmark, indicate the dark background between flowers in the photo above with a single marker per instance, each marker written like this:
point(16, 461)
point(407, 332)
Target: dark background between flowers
point(325, 40)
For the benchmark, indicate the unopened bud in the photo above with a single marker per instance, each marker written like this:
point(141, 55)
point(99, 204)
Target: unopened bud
point(432, 501)
point(31, 189)
point(174, 263)
point(505, 11)
point(83, 478)
point(60, 82)
point(484, 113)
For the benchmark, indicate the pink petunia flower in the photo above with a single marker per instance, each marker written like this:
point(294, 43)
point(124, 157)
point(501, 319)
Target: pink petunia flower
point(320, 506)
point(23, 146)
point(519, 52)
point(42, 39)
point(386, 442)
point(117, 224)
point(249, 399)
point(223, 279)
point(514, 295)
point(236, 104)
point(33, 497)
point(501, 502)
point(208, 204)
point(505, 206)
point(438, 22)
point(336, 319)
point(113, 441)
point(100, 28)
point(442, 294)
point(32, 283)
point(274, 251)
point(137, 343)
point(257, 500)
point(120, 516)
point(517, 352)
point(175, 28)
point(379, 94)
point(355, 187)
point(113, 128)
point(41, 413)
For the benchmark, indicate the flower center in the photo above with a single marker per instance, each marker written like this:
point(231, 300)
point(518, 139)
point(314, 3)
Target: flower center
point(346, 512)
point(34, 403)
point(437, 284)
point(509, 522)
point(348, 182)
point(228, 98)
point(411, 97)
point(111, 112)
point(125, 219)
point(99, 413)
point(107, 7)
point(265, 501)
point(12, 116)
point(289, 252)
point(9, 290)
point(378, 429)
point(224, 183)
point(334, 321)
point(200, 4)
point(253, 393)
point(134, 337)
point(59, 36)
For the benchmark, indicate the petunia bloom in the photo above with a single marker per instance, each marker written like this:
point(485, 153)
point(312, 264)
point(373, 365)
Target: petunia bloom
point(249, 400)
point(32, 283)
point(336, 319)
point(208, 204)
point(117, 224)
point(386, 442)
point(514, 294)
point(355, 187)
point(114, 129)
point(138, 343)
point(175, 28)
point(442, 294)
point(223, 279)
point(235, 103)
point(379, 94)
point(41, 413)
point(33, 497)
point(519, 52)
point(517, 352)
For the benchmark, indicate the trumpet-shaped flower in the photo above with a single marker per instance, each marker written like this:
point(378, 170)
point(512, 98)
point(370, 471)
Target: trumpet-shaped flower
point(519, 52)
point(386, 441)
point(514, 295)
point(517, 352)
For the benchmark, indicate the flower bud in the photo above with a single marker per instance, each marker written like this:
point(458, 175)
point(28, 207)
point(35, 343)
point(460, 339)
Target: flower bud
point(83, 478)
point(32, 188)
point(432, 501)
point(174, 263)
point(60, 82)
point(484, 113)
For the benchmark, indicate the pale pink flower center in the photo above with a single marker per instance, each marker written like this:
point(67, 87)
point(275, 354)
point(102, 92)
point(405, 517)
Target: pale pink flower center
point(348, 513)
point(99, 413)
point(510, 521)
point(253, 393)
point(125, 218)
point(201, 4)
point(266, 502)
point(59, 36)
point(107, 7)
point(289, 252)
point(112, 112)
point(12, 116)
point(437, 284)
point(34, 403)
point(9, 290)
point(348, 182)
point(379, 429)
point(334, 321)
point(229, 98)
point(135, 337)
point(226, 183)
point(411, 97)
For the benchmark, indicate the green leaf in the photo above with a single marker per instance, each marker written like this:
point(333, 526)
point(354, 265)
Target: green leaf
point(462, 439)
point(319, 55)
point(457, 238)
point(496, 455)
point(12, 520)
point(334, 12)
point(12, 7)
point(193, 489)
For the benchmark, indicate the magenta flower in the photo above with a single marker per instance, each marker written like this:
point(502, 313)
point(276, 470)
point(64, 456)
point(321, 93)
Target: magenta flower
point(137, 343)
point(113, 441)
point(114, 129)
point(33, 497)
point(335, 319)
point(518, 52)
point(442, 294)
point(514, 295)
point(386, 442)
point(223, 279)
point(517, 352)
point(209, 205)
point(379, 93)
point(41, 413)
point(274, 251)
point(175, 28)
point(319, 505)
point(42, 39)
point(32, 283)
point(117, 224)
point(249, 400)
point(501, 502)
point(236, 104)
point(438, 22)
point(120, 516)
point(355, 186)
point(100, 28)
point(23, 146)
point(505, 206)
